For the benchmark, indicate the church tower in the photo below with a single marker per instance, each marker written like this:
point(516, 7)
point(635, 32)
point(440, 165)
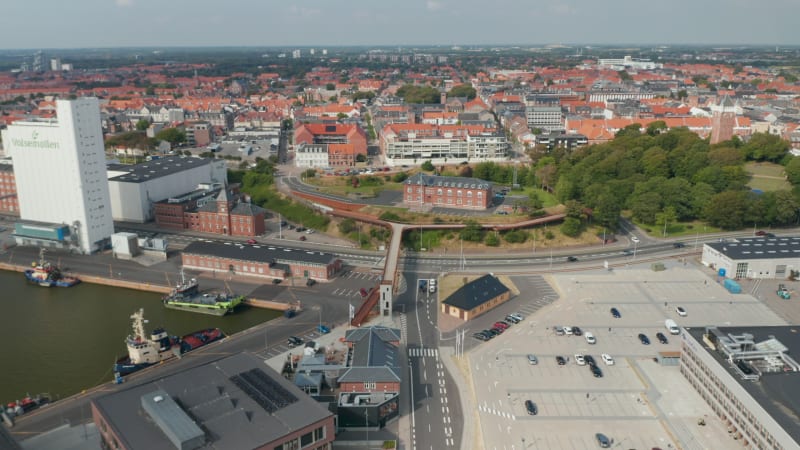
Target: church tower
point(723, 120)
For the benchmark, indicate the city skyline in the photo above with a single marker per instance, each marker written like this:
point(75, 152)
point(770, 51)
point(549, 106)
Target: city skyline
point(148, 23)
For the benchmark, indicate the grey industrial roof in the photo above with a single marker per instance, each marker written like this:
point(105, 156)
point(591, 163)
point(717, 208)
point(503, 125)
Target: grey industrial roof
point(370, 375)
point(777, 393)
point(230, 417)
point(476, 293)
point(170, 418)
point(139, 173)
point(457, 182)
point(759, 248)
point(259, 253)
point(383, 333)
point(375, 357)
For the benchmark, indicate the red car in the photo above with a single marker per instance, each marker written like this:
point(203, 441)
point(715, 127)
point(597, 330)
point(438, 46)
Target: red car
point(302, 238)
point(761, 233)
point(500, 325)
point(252, 241)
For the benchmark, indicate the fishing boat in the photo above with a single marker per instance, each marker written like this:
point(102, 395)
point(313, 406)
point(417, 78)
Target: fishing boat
point(187, 297)
point(145, 350)
point(45, 274)
point(27, 404)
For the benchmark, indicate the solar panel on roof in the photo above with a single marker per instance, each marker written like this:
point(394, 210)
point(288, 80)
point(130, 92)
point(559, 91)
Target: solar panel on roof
point(263, 390)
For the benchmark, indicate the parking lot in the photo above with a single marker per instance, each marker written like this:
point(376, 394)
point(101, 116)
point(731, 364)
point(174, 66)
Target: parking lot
point(633, 403)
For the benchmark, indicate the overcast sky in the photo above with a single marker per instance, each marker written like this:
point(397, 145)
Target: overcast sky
point(329, 23)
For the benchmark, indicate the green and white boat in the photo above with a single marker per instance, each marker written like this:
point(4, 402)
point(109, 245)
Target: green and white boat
point(187, 297)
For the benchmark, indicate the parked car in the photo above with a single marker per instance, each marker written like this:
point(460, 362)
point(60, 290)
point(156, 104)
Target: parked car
point(498, 330)
point(480, 336)
point(491, 333)
point(561, 360)
point(589, 360)
point(511, 319)
point(323, 329)
point(661, 338)
point(615, 313)
point(300, 229)
point(532, 360)
point(579, 360)
point(501, 325)
point(596, 371)
point(310, 282)
point(517, 316)
point(644, 339)
point(276, 281)
point(531, 407)
point(681, 311)
point(252, 241)
point(568, 331)
point(302, 238)
point(363, 292)
point(590, 339)
point(309, 231)
point(634, 239)
point(602, 440)
point(559, 330)
point(577, 331)
point(607, 359)
point(294, 341)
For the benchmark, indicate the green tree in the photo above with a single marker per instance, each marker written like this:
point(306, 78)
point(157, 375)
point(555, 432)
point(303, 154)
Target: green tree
point(656, 127)
point(786, 208)
point(765, 147)
point(427, 166)
point(142, 124)
point(171, 135)
point(654, 163)
point(607, 211)
point(463, 90)
point(646, 206)
point(330, 87)
point(666, 217)
point(492, 240)
point(793, 171)
point(418, 94)
point(571, 227)
point(361, 157)
point(347, 226)
point(727, 210)
point(472, 232)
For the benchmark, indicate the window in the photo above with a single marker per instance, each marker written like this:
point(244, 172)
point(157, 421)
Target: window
point(369, 385)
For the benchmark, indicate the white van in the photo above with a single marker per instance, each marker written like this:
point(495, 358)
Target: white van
point(432, 285)
point(672, 327)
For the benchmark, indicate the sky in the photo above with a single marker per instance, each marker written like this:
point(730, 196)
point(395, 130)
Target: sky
point(327, 23)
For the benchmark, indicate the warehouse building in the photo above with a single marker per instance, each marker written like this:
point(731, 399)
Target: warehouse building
point(235, 403)
point(756, 257)
point(476, 298)
point(750, 379)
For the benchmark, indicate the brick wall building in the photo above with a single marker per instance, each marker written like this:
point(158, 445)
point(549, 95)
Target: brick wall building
point(226, 214)
point(447, 192)
point(332, 133)
point(8, 190)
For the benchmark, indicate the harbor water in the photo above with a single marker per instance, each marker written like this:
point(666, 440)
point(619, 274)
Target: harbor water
point(64, 340)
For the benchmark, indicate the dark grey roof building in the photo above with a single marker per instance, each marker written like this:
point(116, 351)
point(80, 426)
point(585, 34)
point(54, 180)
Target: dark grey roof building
point(755, 257)
point(235, 402)
point(375, 356)
point(476, 297)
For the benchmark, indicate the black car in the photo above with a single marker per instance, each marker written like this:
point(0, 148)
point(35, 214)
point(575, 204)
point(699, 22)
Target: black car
point(492, 333)
point(589, 359)
point(276, 281)
point(577, 331)
point(571, 259)
point(602, 440)
point(294, 341)
point(661, 338)
point(678, 245)
point(531, 407)
point(310, 282)
point(596, 371)
point(480, 336)
point(560, 360)
point(498, 330)
point(300, 229)
point(644, 339)
point(615, 313)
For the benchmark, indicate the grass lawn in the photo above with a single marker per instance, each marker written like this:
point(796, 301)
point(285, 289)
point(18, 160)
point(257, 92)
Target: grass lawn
point(678, 229)
point(547, 198)
point(767, 177)
point(342, 186)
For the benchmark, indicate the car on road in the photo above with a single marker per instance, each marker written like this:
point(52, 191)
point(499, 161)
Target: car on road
point(596, 371)
point(571, 258)
point(615, 313)
point(590, 339)
point(661, 338)
point(602, 440)
point(252, 241)
point(769, 235)
point(560, 360)
point(363, 292)
point(577, 331)
point(760, 233)
point(323, 329)
point(283, 223)
point(607, 359)
point(276, 281)
point(678, 245)
point(644, 339)
point(681, 311)
point(531, 407)
point(627, 252)
point(634, 239)
point(310, 282)
point(302, 238)
point(432, 286)
point(589, 360)
point(294, 341)
point(532, 360)
point(579, 360)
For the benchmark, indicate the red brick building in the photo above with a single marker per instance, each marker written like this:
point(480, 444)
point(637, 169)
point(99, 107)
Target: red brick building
point(226, 214)
point(260, 261)
point(423, 190)
point(375, 365)
point(8, 190)
point(332, 133)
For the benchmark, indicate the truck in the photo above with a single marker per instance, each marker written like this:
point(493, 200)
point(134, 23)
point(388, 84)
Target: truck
point(671, 326)
point(732, 286)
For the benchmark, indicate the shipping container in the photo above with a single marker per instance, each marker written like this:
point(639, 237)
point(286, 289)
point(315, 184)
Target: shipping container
point(732, 286)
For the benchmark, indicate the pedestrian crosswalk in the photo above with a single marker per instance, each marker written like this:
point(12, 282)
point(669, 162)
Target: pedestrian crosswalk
point(422, 352)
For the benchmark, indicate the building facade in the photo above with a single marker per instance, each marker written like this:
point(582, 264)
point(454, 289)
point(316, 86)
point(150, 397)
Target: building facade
point(723, 120)
point(8, 190)
point(332, 133)
point(311, 156)
point(60, 171)
point(476, 298)
point(217, 211)
point(447, 192)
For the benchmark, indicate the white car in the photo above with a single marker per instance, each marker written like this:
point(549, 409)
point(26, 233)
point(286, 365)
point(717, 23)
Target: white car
point(607, 359)
point(634, 239)
point(568, 331)
point(579, 360)
point(681, 312)
point(590, 339)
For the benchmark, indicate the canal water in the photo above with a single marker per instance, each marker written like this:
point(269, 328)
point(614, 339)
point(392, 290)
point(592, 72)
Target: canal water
point(64, 340)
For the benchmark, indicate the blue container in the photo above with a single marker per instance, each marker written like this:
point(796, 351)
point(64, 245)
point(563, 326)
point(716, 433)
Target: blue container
point(722, 272)
point(732, 286)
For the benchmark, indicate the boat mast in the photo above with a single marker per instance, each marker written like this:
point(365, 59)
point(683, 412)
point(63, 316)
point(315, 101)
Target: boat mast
point(138, 324)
